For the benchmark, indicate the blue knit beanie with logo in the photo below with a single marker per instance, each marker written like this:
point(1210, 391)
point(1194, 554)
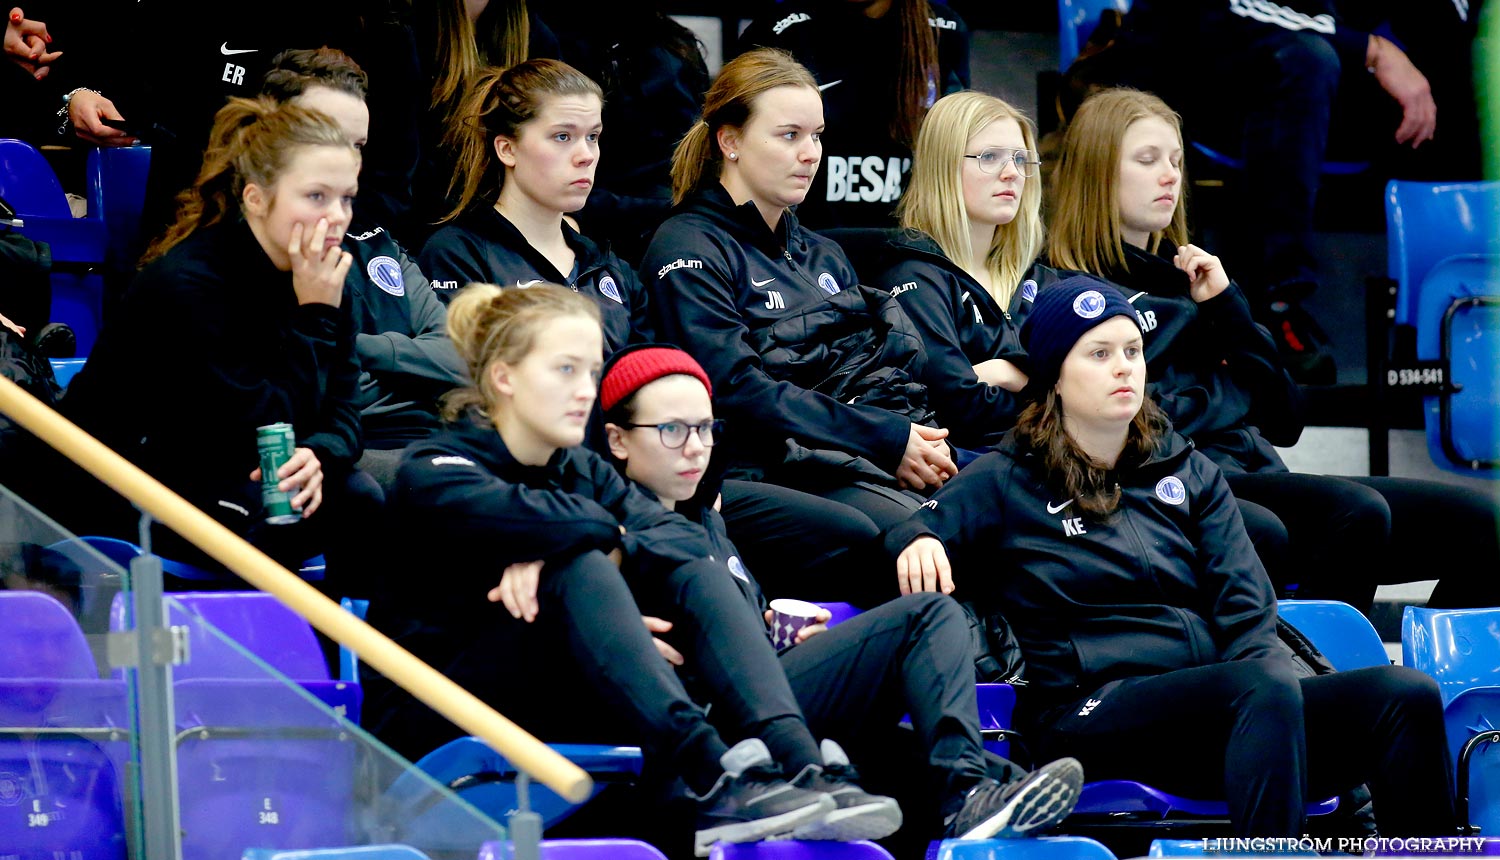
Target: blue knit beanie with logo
point(1061, 314)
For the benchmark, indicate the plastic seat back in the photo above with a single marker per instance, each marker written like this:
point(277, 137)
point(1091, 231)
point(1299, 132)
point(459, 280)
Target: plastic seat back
point(840, 612)
point(28, 183)
point(996, 704)
point(578, 849)
point(1076, 19)
point(1458, 321)
point(791, 849)
point(262, 625)
point(1427, 222)
point(117, 189)
point(1459, 648)
point(58, 792)
point(362, 852)
point(40, 638)
point(1471, 712)
point(1338, 630)
point(485, 779)
point(1044, 848)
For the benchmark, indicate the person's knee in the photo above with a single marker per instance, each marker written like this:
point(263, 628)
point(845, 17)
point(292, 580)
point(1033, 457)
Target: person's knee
point(1415, 690)
point(1307, 60)
point(1364, 514)
point(1267, 687)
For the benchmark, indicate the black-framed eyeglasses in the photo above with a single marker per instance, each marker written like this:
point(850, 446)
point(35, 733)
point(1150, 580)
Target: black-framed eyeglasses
point(674, 434)
point(994, 160)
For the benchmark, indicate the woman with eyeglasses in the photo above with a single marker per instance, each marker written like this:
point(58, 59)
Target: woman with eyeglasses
point(964, 265)
point(908, 656)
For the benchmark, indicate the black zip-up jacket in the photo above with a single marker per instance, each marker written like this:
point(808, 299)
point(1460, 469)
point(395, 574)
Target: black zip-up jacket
point(1169, 581)
point(718, 276)
point(207, 344)
point(856, 60)
point(406, 360)
point(961, 325)
point(463, 486)
point(484, 246)
point(1212, 368)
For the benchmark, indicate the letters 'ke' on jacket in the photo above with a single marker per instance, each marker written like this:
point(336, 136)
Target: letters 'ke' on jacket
point(1169, 581)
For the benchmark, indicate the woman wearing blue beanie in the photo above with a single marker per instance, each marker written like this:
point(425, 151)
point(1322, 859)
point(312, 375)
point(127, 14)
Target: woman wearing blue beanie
point(1118, 555)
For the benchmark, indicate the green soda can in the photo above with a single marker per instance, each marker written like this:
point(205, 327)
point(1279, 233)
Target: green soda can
point(276, 444)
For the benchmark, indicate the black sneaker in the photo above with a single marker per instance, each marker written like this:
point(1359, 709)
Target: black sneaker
point(751, 801)
point(56, 340)
point(1302, 343)
point(1019, 808)
point(859, 815)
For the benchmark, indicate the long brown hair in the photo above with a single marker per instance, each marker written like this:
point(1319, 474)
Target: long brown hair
point(1070, 470)
point(1085, 229)
point(917, 76)
point(252, 142)
point(488, 324)
point(500, 102)
point(730, 102)
point(500, 37)
point(934, 198)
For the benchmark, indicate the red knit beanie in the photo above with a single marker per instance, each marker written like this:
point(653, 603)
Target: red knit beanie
point(632, 369)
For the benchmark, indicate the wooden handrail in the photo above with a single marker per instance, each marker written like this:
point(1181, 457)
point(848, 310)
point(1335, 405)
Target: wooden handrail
point(394, 662)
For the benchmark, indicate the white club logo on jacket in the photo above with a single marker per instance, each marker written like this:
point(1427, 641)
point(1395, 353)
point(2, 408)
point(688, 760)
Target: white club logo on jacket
point(386, 273)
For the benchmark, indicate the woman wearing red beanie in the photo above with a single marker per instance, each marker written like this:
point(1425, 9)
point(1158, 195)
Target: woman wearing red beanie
point(912, 655)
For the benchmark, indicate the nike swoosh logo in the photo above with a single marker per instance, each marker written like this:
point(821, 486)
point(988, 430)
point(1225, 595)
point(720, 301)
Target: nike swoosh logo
point(229, 52)
point(1057, 509)
point(761, 283)
point(830, 84)
point(531, 283)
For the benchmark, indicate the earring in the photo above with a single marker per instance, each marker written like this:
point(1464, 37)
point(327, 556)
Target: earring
point(734, 156)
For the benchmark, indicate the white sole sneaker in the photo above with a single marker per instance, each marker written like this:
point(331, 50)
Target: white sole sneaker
point(758, 829)
point(1043, 799)
point(866, 821)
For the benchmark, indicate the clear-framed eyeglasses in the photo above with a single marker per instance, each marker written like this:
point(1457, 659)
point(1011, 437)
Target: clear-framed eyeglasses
point(994, 160)
point(674, 434)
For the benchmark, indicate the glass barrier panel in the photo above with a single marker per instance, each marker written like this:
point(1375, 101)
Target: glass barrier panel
point(69, 755)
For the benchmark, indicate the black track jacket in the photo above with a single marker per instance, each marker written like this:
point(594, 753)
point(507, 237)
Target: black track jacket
point(718, 275)
point(1170, 581)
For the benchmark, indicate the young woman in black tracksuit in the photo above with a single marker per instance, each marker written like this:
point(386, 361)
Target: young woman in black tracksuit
point(874, 106)
point(731, 262)
point(908, 656)
point(1148, 623)
point(579, 556)
point(1218, 375)
point(406, 361)
point(966, 273)
point(238, 321)
point(529, 161)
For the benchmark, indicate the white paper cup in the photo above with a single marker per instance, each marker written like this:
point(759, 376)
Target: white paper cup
point(789, 616)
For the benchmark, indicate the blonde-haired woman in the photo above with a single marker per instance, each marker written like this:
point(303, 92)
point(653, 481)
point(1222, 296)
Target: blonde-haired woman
point(964, 267)
point(579, 556)
point(238, 321)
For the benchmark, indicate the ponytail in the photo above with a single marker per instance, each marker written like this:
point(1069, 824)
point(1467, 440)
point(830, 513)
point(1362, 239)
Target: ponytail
point(251, 142)
point(695, 153)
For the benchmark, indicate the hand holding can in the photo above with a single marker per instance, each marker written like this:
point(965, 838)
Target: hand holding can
point(276, 443)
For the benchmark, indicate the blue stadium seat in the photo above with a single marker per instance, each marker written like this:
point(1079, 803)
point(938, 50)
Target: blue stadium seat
point(791, 849)
point(64, 369)
point(363, 852)
point(1460, 649)
point(996, 704)
point(1338, 630)
point(64, 737)
point(1458, 326)
point(1428, 222)
point(485, 779)
point(1043, 848)
point(1076, 19)
point(840, 612)
point(579, 849)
